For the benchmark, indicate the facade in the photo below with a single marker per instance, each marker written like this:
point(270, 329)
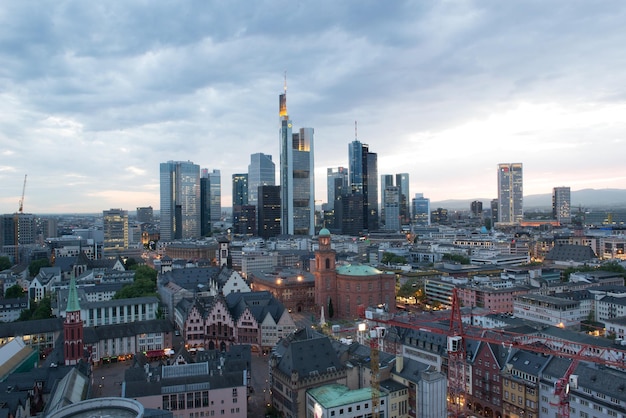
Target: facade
point(115, 225)
point(476, 208)
point(242, 222)
point(296, 176)
point(295, 289)
point(402, 182)
point(549, 310)
point(562, 204)
point(393, 208)
point(240, 189)
point(341, 401)
point(72, 329)
point(180, 200)
point(386, 180)
point(421, 210)
point(210, 200)
point(510, 193)
point(261, 172)
point(145, 215)
point(351, 288)
point(488, 297)
point(363, 174)
point(520, 384)
point(269, 211)
point(117, 311)
point(336, 184)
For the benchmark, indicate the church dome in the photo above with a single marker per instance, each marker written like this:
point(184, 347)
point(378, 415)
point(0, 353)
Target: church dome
point(324, 232)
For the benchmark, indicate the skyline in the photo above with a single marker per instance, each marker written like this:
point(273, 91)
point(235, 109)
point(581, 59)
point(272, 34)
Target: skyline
point(94, 99)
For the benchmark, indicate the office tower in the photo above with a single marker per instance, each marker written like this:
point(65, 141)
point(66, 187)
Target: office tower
point(210, 200)
point(337, 185)
point(296, 175)
point(392, 208)
point(180, 200)
point(421, 210)
point(268, 211)
point(561, 204)
point(386, 180)
point(510, 193)
point(476, 208)
point(115, 226)
point(261, 172)
point(402, 181)
point(494, 212)
point(145, 215)
point(363, 174)
point(350, 213)
point(240, 189)
point(439, 216)
point(244, 220)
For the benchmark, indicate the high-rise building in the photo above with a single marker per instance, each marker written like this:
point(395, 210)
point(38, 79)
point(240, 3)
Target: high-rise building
point(145, 215)
point(337, 185)
point(392, 208)
point(386, 180)
point(210, 200)
point(562, 204)
point(421, 210)
point(363, 174)
point(180, 200)
point(115, 228)
point(402, 181)
point(476, 209)
point(510, 193)
point(261, 172)
point(494, 211)
point(268, 211)
point(240, 189)
point(296, 175)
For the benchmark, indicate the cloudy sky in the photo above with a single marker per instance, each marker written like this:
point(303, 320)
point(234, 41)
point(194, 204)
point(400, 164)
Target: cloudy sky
point(94, 95)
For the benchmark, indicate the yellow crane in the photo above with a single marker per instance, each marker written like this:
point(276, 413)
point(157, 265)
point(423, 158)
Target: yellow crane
point(16, 222)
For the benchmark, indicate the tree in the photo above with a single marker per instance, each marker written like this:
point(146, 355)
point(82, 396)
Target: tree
point(44, 309)
point(36, 265)
point(331, 310)
point(392, 258)
point(5, 263)
point(130, 263)
point(456, 258)
point(409, 288)
point(143, 285)
point(14, 292)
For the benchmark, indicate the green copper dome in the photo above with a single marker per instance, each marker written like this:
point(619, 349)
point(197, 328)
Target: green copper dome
point(358, 270)
point(324, 232)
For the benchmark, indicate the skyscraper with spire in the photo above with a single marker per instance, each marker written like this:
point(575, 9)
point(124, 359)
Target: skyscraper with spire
point(363, 173)
point(296, 175)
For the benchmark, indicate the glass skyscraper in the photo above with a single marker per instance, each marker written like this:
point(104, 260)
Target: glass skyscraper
point(510, 193)
point(180, 200)
point(261, 172)
point(296, 176)
point(562, 204)
point(363, 173)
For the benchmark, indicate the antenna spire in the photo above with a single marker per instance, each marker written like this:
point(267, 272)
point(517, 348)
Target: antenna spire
point(285, 86)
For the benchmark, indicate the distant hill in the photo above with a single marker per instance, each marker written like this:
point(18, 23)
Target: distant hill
point(587, 198)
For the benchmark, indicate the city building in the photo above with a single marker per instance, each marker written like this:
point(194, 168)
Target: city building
point(363, 174)
point(337, 189)
point(145, 215)
point(115, 225)
point(549, 310)
point(180, 200)
point(520, 384)
point(510, 193)
point(386, 180)
point(339, 400)
point(269, 211)
point(295, 289)
point(261, 172)
point(476, 208)
point(421, 210)
point(210, 200)
point(402, 182)
point(242, 223)
point(562, 204)
point(296, 176)
point(345, 291)
point(73, 329)
point(392, 204)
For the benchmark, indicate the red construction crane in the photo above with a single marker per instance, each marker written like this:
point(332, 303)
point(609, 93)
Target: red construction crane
point(456, 342)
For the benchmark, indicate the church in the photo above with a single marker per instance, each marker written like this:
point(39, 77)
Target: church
point(346, 290)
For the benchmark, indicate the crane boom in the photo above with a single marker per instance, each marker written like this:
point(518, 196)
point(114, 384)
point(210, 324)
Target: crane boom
point(21, 206)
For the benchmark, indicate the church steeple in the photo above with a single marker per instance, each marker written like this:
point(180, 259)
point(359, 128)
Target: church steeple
point(73, 328)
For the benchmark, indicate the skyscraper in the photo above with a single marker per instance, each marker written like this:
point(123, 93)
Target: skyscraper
point(240, 200)
point(363, 173)
point(421, 210)
point(510, 193)
point(402, 181)
point(145, 215)
point(261, 172)
point(337, 184)
point(269, 211)
point(392, 208)
point(296, 175)
point(211, 200)
point(562, 204)
point(180, 200)
point(115, 226)
point(386, 180)
point(240, 189)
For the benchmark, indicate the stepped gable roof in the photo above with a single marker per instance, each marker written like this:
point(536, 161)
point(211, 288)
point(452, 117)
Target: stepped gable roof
point(223, 276)
point(308, 356)
point(571, 252)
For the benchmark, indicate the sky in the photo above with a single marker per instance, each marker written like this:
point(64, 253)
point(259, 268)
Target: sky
point(94, 95)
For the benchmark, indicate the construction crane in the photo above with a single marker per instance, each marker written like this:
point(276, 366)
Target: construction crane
point(457, 338)
point(375, 335)
point(16, 223)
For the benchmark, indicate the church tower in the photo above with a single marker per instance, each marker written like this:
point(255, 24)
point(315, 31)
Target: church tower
point(325, 274)
point(73, 328)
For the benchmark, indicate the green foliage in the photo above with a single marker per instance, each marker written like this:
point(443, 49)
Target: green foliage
point(611, 266)
point(36, 265)
point(456, 258)
point(144, 284)
point(38, 310)
point(130, 263)
point(331, 309)
point(409, 288)
point(393, 259)
point(14, 292)
point(5, 263)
